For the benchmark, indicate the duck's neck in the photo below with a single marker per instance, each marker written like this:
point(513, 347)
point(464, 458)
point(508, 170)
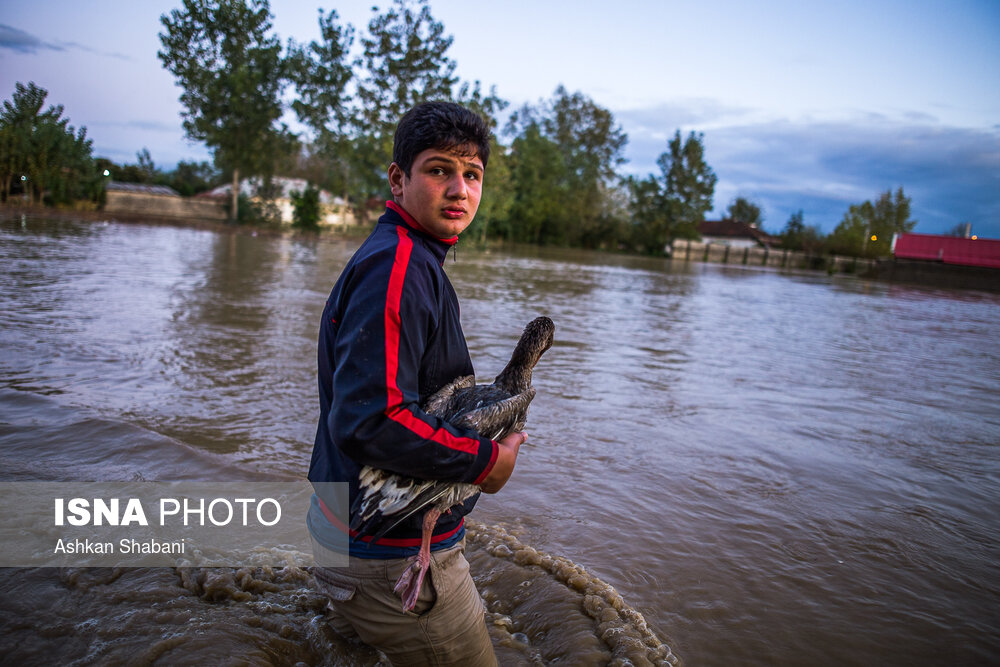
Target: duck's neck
point(515, 378)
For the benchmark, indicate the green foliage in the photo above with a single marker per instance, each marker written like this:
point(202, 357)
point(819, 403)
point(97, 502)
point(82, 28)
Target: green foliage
point(352, 106)
point(867, 229)
point(144, 171)
point(563, 160)
point(797, 236)
point(792, 234)
point(232, 75)
point(190, 178)
point(55, 161)
point(651, 221)
point(742, 209)
point(258, 210)
point(538, 175)
point(488, 106)
point(672, 206)
point(403, 62)
point(306, 208)
point(187, 179)
point(321, 74)
point(498, 197)
point(689, 182)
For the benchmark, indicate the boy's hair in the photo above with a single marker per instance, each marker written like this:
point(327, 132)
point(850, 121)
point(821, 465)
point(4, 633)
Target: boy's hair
point(442, 126)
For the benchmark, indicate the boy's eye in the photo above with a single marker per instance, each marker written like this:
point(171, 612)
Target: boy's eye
point(472, 175)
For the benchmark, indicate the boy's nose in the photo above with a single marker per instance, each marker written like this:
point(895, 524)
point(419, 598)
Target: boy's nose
point(456, 188)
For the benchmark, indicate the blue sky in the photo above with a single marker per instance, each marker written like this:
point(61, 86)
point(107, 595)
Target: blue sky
point(802, 105)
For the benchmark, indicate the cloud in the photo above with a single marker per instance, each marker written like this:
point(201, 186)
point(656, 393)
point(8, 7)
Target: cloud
point(952, 174)
point(23, 42)
point(18, 40)
point(681, 113)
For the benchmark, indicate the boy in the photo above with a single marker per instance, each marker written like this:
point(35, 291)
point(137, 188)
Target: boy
point(390, 337)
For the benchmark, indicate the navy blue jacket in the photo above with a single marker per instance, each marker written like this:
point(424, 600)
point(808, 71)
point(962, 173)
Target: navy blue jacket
point(390, 337)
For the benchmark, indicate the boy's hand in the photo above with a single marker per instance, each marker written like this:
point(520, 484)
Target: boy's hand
point(504, 466)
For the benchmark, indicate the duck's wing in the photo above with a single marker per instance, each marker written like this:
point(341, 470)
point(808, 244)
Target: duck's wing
point(499, 418)
point(383, 494)
point(438, 402)
point(423, 500)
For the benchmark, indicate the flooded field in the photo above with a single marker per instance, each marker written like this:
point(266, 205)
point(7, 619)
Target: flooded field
point(726, 465)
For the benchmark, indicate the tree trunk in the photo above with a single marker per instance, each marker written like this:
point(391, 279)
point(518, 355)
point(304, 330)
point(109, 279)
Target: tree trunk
point(236, 195)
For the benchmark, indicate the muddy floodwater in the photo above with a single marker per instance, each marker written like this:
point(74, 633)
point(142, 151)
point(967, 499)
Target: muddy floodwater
point(726, 466)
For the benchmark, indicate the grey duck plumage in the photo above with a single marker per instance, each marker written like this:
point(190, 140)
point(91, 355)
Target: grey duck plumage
point(493, 410)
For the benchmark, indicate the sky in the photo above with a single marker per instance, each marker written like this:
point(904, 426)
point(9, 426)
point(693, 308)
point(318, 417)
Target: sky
point(802, 105)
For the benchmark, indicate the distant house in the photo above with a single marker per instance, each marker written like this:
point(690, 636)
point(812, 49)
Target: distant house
point(733, 233)
point(335, 210)
point(137, 200)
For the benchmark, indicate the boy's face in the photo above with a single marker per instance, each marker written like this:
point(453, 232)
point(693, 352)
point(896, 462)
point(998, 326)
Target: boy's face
point(442, 191)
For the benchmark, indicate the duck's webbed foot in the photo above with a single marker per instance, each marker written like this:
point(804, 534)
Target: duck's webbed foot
point(409, 583)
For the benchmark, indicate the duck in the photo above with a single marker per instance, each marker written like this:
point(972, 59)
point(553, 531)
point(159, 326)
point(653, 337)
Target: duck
point(493, 410)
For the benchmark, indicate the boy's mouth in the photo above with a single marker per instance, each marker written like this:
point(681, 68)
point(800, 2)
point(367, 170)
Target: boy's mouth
point(454, 213)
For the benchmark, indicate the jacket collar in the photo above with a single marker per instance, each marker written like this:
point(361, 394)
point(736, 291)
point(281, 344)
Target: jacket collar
point(396, 214)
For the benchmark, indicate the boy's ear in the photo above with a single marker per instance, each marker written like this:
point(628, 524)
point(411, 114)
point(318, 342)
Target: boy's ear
point(396, 177)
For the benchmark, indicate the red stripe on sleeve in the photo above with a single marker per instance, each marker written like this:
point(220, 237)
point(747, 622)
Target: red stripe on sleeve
point(489, 466)
point(395, 409)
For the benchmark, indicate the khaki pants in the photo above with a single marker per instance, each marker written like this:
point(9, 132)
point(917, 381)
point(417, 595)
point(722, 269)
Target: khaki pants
point(446, 627)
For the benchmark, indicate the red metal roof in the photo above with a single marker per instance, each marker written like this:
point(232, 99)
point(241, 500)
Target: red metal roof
point(949, 249)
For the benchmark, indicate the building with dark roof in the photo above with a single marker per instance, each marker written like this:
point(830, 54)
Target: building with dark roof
point(138, 200)
point(733, 233)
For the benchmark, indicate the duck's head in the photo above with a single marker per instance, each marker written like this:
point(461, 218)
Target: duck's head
point(535, 339)
point(538, 336)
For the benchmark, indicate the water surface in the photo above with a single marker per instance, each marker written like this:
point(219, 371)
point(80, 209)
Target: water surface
point(726, 465)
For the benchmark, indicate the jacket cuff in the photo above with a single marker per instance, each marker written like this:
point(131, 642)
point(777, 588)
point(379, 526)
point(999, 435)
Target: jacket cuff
point(488, 452)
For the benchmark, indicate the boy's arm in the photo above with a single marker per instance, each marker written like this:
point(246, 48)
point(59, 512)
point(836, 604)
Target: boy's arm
point(376, 417)
point(507, 449)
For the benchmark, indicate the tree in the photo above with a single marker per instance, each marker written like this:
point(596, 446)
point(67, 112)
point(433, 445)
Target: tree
point(867, 229)
point(404, 62)
point(232, 74)
point(498, 198)
point(352, 107)
point(321, 73)
point(190, 178)
point(144, 171)
point(498, 195)
point(673, 205)
point(742, 209)
point(690, 182)
point(55, 160)
point(797, 236)
point(538, 177)
point(564, 156)
point(306, 208)
point(791, 235)
point(651, 221)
